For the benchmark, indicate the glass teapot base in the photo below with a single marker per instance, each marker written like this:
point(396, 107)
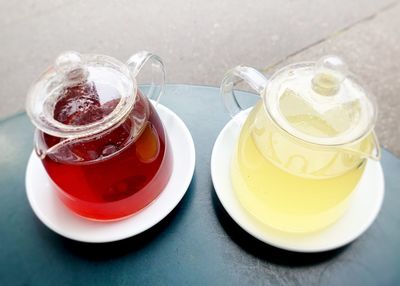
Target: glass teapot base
point(284, 201)
point(123, 208)
point(120, 185)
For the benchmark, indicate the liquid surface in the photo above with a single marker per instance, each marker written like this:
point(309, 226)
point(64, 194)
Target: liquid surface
point(82, 104)
point(329, 121)
point(287, 188)
point(116, 173)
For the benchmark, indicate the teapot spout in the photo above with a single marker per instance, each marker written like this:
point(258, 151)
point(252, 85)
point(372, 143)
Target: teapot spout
point(376, 154)
point(40, 148)
point(368, 148)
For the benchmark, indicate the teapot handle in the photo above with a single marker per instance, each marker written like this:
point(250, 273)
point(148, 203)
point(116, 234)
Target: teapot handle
point(251, 76)
point(137, 62)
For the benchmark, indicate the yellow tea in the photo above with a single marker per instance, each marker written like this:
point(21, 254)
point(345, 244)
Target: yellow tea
point(286, 184)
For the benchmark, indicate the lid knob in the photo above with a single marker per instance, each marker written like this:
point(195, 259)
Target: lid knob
point(330, 72)
point(71, 66)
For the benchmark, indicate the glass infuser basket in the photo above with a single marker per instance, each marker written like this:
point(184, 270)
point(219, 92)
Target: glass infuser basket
point(98, 136)
point(304, 145)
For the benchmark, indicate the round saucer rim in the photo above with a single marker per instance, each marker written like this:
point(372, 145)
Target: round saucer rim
point(184, 182)
point(258, 235)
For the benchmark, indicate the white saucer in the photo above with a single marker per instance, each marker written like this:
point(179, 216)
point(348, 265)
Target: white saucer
point(364, 207)
point(51, 211)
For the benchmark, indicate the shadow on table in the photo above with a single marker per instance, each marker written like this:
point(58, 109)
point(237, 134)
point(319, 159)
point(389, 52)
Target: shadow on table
point(262, 250)
point(112, 250)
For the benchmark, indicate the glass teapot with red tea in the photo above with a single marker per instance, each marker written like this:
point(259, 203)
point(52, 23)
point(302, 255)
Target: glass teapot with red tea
point(98, 136)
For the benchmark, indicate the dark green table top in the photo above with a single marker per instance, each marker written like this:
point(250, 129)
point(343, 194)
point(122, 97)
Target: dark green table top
point(198, 243)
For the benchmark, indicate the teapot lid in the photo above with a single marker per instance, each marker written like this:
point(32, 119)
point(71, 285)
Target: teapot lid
point(320, 102)
point(81, 95)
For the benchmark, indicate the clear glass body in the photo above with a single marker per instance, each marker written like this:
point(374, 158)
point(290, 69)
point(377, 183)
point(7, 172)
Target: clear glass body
point(117, 174)
point(288, 184)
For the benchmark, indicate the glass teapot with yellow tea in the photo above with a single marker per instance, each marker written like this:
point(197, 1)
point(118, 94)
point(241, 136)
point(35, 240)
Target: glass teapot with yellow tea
point(303, 147)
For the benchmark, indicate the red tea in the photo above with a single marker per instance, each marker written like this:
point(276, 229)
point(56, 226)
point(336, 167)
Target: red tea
point(116, 173)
